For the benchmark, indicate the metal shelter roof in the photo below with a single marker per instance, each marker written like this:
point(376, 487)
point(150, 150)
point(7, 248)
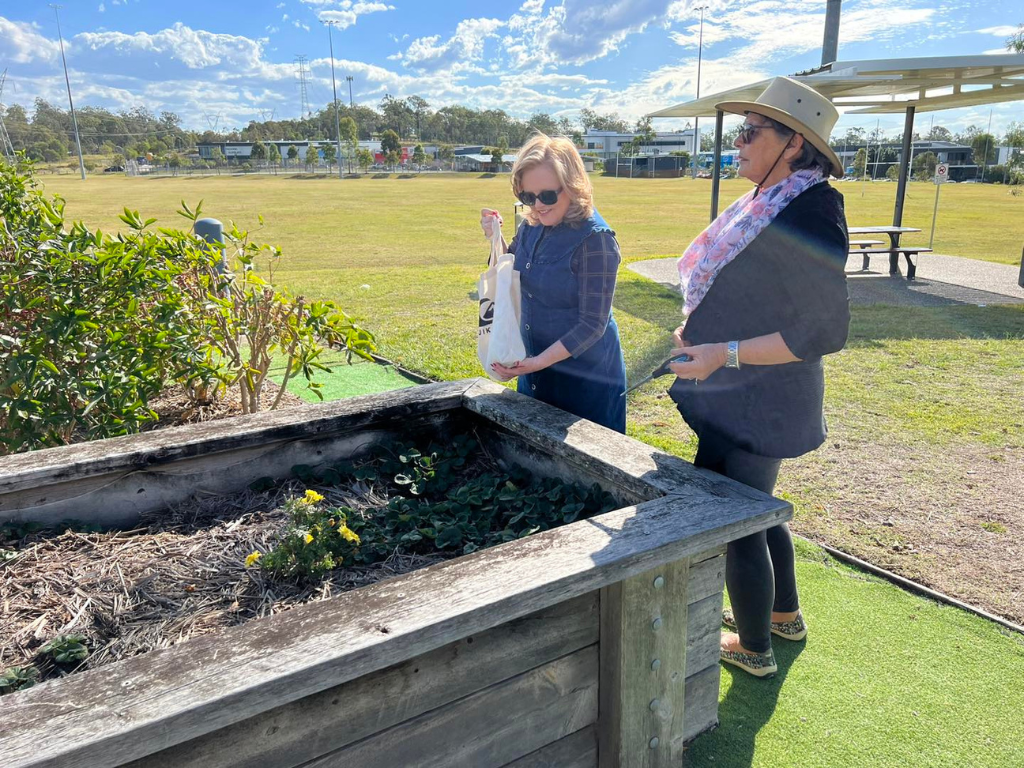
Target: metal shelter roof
point(891, 85)
point(876, 86)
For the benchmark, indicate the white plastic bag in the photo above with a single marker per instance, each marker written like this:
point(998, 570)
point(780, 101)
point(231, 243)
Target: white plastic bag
point(498, 336)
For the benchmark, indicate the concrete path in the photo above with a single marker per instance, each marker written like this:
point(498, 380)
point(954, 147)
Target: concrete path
point(941, 281)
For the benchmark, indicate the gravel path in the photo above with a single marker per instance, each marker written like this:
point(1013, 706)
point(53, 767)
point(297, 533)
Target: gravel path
point(941, 281)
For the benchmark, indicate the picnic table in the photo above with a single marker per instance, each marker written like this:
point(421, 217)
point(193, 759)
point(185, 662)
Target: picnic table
point(868, 247)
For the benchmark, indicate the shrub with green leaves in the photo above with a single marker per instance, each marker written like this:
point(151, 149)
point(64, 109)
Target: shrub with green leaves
point(93, 327)
point(248, 320)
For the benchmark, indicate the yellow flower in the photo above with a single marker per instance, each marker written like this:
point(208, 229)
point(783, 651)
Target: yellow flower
point(312, 497)
point(307, 538)
point(252, 559)
point(349, 535)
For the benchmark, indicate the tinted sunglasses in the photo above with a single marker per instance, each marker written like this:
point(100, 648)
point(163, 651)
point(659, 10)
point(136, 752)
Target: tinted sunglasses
point(748, 132)
point(546, 197)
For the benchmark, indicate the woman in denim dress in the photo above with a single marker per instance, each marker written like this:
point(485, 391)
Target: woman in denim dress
point(567, 258)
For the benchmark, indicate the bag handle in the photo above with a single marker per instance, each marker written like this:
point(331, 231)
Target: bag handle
point(496, 250)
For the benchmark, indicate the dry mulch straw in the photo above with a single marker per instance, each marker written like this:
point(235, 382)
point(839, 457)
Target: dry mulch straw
point(177, 576)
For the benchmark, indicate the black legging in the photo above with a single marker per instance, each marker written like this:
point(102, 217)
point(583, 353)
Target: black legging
point(759, 569)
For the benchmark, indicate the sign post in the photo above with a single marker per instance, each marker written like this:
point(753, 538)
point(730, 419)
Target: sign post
point(941, 177)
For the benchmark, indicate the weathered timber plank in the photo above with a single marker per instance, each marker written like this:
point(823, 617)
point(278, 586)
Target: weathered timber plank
point(488, 729)
point(620, 459)
point(118, 499)
point(707, 577)
point(702, 701)
point(577, 750)
point(290, 735)
point(109, 716)
point(643, 669)
point(34, 469)
point(703, 630)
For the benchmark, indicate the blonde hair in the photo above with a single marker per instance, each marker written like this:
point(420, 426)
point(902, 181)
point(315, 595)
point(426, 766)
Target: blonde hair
point(559, 154)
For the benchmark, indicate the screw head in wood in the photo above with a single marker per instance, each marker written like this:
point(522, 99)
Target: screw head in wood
point(656, 665)
point(656, 624)
point(659, 582)
point(655, 705)
point(654, 743)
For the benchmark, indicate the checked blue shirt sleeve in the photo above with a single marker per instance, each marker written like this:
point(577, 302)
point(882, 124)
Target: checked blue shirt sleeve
point(596, 264)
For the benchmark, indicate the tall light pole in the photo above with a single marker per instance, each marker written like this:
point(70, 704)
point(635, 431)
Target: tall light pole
point(696, 121)
point(334, 85)
point(74, 118)
point(350, 79)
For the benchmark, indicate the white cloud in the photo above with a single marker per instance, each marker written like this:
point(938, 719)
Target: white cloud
point(345, 13)
point(1004, 31)
point(21, 43)
point(299, 25)
point(196, 49)
point(770, 30)
point(466, 45)
point(102, 8)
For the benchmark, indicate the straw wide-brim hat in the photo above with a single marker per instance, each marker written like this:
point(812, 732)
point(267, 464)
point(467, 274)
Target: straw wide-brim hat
point(796, 106)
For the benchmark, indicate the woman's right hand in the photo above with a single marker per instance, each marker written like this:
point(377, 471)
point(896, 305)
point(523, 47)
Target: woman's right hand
point(488, 217)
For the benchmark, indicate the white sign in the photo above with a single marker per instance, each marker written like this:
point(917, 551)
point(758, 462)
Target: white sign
point(941, 173)
point(237, 151)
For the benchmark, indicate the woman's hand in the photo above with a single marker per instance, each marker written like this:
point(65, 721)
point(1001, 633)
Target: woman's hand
point(488, 217)
point(524, 366)
point(677, 338)
point(706, 359)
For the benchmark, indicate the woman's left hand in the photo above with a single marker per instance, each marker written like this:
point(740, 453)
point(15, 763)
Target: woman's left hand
point(524, 366)
point(706, 359)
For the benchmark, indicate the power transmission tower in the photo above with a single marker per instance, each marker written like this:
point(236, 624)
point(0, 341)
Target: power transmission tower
point(303, 94)
point(213, 121)
point(266, 114)
point(5, 140)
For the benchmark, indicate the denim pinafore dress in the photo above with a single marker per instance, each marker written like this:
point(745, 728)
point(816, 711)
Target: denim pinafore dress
point(589, 386)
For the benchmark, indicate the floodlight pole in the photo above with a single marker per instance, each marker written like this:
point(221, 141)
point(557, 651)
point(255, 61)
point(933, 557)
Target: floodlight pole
point(334, 85)
point(67, 80)
point(988, 138)
point(696, 120)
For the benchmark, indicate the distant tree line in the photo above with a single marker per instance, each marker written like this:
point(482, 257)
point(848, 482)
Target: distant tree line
point(45, 132)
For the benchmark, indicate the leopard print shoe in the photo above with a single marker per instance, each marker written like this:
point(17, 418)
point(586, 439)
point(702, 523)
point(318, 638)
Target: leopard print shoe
point(756, 664)
point(794, 630)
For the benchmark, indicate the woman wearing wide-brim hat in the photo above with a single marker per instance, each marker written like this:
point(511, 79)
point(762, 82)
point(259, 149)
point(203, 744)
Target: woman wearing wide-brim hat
point(765, 300)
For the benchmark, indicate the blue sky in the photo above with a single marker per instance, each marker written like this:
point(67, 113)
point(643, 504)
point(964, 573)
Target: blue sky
point(234, 59)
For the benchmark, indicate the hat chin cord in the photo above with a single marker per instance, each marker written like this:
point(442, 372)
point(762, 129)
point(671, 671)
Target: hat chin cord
point(760, 184)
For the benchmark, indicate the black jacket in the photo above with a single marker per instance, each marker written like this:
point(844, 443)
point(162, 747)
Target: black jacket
point(790, 279)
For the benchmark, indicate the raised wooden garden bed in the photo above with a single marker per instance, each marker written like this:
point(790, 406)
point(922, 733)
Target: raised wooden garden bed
point(592, 644)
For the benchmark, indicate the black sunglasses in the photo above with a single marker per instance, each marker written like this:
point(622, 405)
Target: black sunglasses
point(748, 132)
point(547, 197)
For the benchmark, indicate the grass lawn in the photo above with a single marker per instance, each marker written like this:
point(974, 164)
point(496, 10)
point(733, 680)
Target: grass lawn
point(921, 474)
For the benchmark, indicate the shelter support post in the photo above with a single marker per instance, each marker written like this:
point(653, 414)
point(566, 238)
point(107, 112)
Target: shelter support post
point(901, 188)
point(905, 163)
point(716, 172)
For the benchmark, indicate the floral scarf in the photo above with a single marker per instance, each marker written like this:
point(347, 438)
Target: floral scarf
point(731, 232)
